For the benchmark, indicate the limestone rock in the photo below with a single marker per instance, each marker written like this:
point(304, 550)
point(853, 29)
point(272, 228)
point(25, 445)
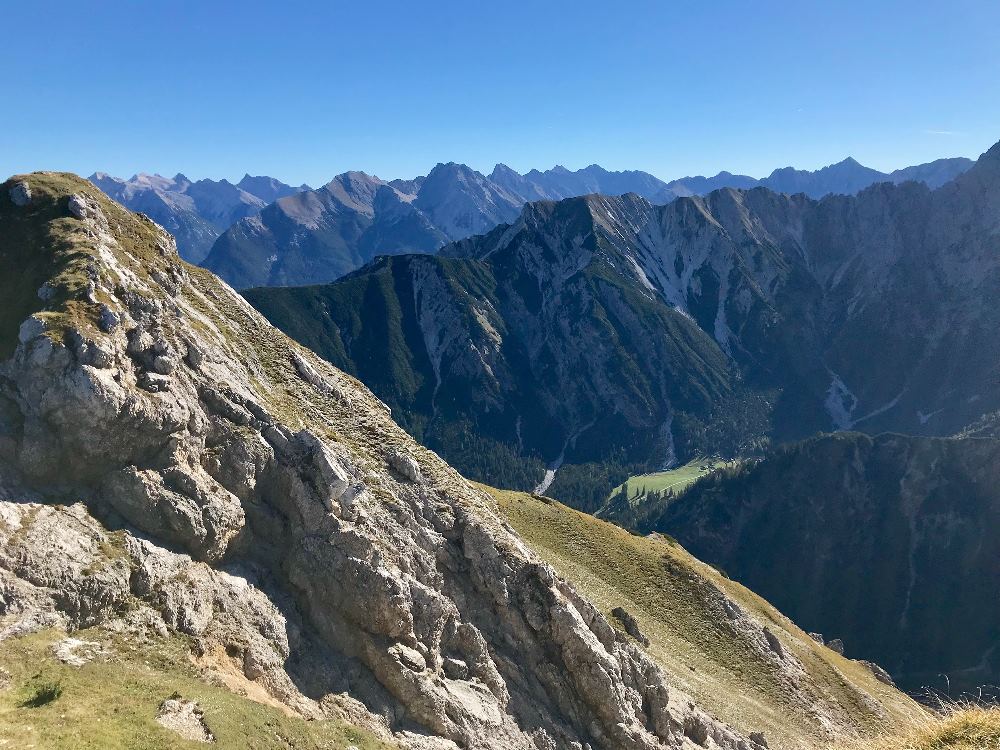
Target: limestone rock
point(185, 718)
point(880, 674)
point(76, 652)
point(836, 645)
point(78, 206)
point(630, 624)
point(405, 465)
point(20, 194)
point(774, 643)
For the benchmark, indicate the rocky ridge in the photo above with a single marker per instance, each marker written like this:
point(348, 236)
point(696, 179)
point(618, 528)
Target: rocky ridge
point(171, 461)
point(318, 236)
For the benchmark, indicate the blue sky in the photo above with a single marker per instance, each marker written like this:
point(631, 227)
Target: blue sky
point(305, 90)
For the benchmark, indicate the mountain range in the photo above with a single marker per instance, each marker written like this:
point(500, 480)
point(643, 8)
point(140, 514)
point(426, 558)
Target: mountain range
point(606, 334)
point(195, 213)
point(323, 234)
point(208, 534)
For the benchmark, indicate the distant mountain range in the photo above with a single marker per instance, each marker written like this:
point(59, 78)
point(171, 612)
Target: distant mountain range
point(320, 235)
point(196, 213)
point(607, 334)
point(844, 178)
point(315, 236)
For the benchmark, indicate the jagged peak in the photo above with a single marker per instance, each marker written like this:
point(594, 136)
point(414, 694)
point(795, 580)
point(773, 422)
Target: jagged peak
point(991, 155)
point(502, 169)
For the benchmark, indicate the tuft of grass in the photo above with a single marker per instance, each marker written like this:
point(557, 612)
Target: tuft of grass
point(43, 695)
point(960, 727)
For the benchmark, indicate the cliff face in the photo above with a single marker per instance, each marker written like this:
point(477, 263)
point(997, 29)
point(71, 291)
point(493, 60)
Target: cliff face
point(171, 461)
point(887, 543)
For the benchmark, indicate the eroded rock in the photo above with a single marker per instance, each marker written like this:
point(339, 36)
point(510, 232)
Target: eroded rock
point(405, 465)
point(185, 718)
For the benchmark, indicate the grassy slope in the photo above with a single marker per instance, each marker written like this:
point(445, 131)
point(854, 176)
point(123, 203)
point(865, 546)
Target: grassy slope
point(112, 702)
point(666, 590)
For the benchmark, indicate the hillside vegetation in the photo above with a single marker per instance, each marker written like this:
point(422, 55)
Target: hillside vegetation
point(112, 700)
point(709, 632)
point(960, 728)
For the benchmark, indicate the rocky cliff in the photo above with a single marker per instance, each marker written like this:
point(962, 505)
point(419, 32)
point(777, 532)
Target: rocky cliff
point(172, 462)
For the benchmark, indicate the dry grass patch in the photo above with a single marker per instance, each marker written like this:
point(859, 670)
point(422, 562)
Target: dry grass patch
point(962, 727)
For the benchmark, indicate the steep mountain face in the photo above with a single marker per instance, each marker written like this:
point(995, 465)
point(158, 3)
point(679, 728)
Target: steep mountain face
point(888, 543)
point(320, 235)
point(196, 213)
point(538, 351)
point(170, 462)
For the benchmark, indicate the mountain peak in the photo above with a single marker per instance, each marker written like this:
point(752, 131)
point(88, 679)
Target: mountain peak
point(502, 170)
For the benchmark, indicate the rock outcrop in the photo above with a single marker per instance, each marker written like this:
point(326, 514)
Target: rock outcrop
point(166, 464)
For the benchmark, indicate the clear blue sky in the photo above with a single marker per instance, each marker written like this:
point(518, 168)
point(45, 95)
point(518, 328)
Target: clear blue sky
point(305, 90)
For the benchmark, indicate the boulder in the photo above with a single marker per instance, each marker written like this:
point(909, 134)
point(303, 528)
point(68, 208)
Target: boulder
point(20, 194)
point(405, 465)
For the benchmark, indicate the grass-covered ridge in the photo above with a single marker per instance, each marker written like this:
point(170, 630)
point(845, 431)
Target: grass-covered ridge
point(112, 701)
point(677, 602)
point(43, 243)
